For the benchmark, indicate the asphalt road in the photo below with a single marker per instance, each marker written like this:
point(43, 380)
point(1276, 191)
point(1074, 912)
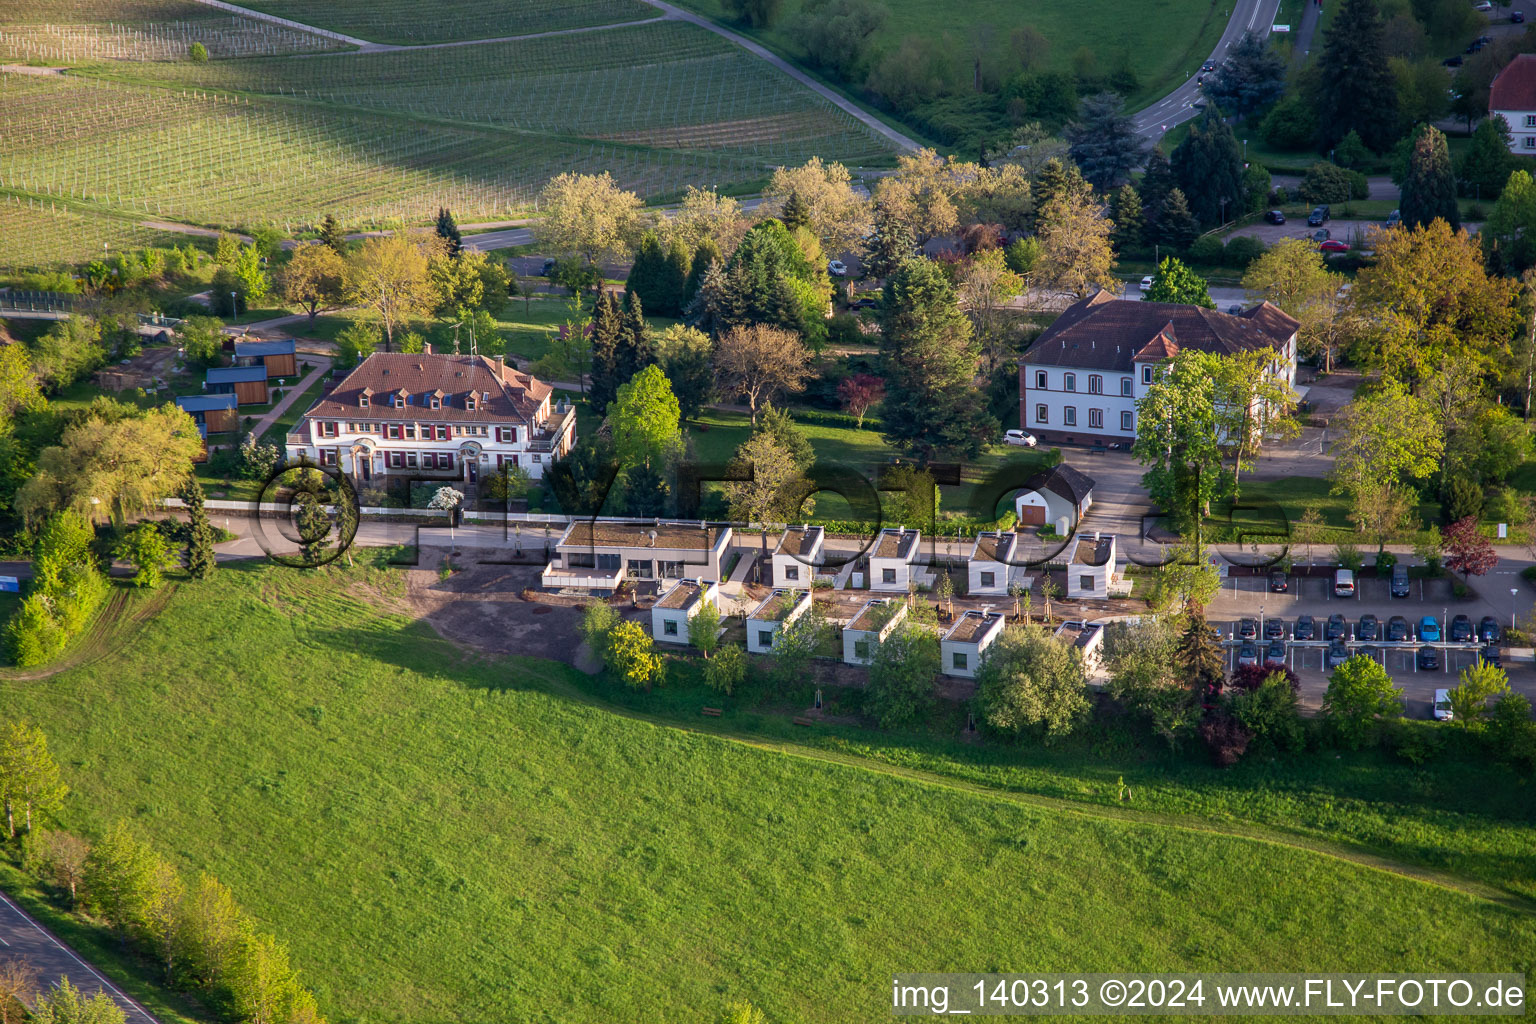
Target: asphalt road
point(1178, 106)
point(25, 939)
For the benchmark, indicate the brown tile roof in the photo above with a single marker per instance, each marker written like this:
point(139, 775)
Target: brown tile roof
point(513, 395)
point(994, 547)
point(1514, 88)
point(895, 544)
point(799, 540)
point(638, 535)
point(971, 625)
point(1062, 480)
point(1105, 333)
point(1161, 347)
point(1276, 321)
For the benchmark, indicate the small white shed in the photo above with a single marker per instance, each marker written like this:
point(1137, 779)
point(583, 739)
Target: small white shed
point(1091, 567)
point(869, 628)
point(890, 560)
point(1057, 498)
point(776, 611)
point(961, 648)
point(796, 557)
point(674, 610)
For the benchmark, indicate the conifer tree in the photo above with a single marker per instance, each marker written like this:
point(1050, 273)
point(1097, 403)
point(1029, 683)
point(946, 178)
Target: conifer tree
point(706, 253)
point(797, 212)
point(1352, 87)
point(1199, 656)
point(1156, 183)
point(635, 349)
point(1125, 212)
point(331, 234)
point(1176, 225)
point(448, 231)
point(607, 341)
point(1429, 192)
point(200, 559)
point(1209, 167)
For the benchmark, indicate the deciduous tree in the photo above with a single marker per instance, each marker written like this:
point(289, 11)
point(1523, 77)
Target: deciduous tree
point(1030, 681)
point(587, 215)
point(986, 288)
point(29, 776)
point(1388, 436)
point(763, 499)
point(18, 989)
point(1467, 551)
point(1477, 687)
point(686, 356)
point(1075, 256)
point(389, 277)
point(144, 548)
point(1175, 282)
point(836, 214)
point(858, 393)
point(314, 278)
point(66, 1004)
point(644, 420)
point(902, 669)
point(1178, 438)
point(759, 362)
point(1360, 694)
point(631, 656)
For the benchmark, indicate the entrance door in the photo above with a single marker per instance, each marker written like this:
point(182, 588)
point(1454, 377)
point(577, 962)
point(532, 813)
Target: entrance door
point(1032, 515)
point(366, 461)
point(473, 465)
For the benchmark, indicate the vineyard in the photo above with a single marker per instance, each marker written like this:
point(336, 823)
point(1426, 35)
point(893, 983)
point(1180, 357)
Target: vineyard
point(59, 31)
point(44, 233)
point(378, 138)
point(410, 21)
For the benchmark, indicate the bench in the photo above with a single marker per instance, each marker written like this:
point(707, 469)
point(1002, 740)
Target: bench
point(1098, 449)
point(802, 720)
point(711, 712)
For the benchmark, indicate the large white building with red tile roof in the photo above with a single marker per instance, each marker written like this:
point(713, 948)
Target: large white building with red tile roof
point(435, 416)
point(1080, 381)
point(1512, 96)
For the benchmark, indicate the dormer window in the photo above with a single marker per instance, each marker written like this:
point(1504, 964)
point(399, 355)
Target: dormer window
point(437, 403)
point(469, 401)
point(362, 400)
point(399, 402)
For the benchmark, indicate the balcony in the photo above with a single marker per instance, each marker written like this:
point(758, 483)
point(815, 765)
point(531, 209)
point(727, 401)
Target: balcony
point(548, 439)
point(557, 575)
point(296, 439)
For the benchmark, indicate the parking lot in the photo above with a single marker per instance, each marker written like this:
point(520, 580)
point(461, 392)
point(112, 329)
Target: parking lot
point(1249, 597)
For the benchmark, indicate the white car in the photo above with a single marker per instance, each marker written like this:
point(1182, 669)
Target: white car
point(1146, 283)
point(1482, 5)
point(1443, 706)
point(1022, 438)
point(837, 268)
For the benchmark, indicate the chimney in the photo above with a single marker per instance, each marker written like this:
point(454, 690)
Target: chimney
point(1095, 535)
point(426, 348)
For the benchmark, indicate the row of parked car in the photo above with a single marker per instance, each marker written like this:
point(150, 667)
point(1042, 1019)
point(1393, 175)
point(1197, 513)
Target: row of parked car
point(1337, 632)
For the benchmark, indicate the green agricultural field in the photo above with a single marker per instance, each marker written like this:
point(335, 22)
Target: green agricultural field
point(40, 232)
point(445, 837)
point(381, 138)
point(405, 22)
point(71, 30)
point(1163, 40)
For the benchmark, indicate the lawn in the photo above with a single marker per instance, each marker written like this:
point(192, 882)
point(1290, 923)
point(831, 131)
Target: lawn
point(1164, 40)
point(452, 838)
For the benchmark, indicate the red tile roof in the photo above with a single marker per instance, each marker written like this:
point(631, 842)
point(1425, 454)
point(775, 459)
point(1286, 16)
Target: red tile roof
point(513, 395)
point(1514, 88)
point(1105, 333)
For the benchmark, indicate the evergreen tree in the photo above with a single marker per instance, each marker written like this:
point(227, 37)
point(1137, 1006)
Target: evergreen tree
point(1250, 78)
point(769, 281)
point(331, 234)
point(1104, 142)
point(200, 560)
point(928, 359)
point(607, 342)
point(1429, 192)
point(708, 309)
point(1176, 226)
point(1056, 178)
point(706, 253)
point(889, 246)
point(448, 231)
point(1199, 656)
point(659, 275)
point(797, 212)
point(1486, 165)
point(1352, 85)
point(1156, 183)
point(1209, 168)
point(1125, 212)
point(635, 352)
point(779, 425)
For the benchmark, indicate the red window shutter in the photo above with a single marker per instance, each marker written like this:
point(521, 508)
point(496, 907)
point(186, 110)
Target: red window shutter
point(445, 433)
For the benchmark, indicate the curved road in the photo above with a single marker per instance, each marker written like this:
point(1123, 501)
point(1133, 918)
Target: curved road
point(1178, 106)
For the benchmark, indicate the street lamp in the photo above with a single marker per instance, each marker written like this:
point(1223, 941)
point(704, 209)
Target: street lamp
point(234, 307)
point(1514, 592)
point(1245, 150)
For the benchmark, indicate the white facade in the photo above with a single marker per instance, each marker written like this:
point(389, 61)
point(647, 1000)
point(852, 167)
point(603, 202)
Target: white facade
point(764, 626)
point(1091, 567)
point(988, 570)
point(1064, 400)
point(1044, 507)
point(797, 556)
point(602, 554)
point(673, 612)
point(891, 560)
point(865, 632)
point(962, 647)
point(1522, 130)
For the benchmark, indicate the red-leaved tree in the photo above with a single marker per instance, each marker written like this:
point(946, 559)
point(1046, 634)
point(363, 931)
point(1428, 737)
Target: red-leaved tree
point(1466, 550)
point(858, 393)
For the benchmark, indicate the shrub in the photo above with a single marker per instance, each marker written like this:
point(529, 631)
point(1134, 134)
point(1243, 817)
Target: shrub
point(1225, 738)
point(727, 670)
point(631, 655)
point(1207, 249)
point(901, 676)
point(597, 624)
point(843, 329)
point(197, 53)
point(33, 635)
point(1243, 250)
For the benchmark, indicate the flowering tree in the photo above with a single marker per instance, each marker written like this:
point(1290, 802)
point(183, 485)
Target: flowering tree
point(1468, 551)
point(859, 392)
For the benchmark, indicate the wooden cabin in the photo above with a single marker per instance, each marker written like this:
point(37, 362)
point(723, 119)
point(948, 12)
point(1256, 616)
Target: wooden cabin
point(279, 357)
point(247, 383)
point(214, 413)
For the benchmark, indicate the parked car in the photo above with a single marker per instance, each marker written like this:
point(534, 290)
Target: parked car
point(1400, 585)
point(1274, 629)
point(1517, 17)
point(1247, 655)
point(1338, 654)
point(1336, 629)
point(1333, 245)
point(1488, 630)
point(1429, 658)
point(864, 303)
point(1429, 629)
point(1474, 46)
point(1274, 655)
point(1367, 628)
point(1146, 283)
point(837, 268)
point(1344, 583)
point(1021, 438)
point(1274, 217)
point(548, 268)
point(1318, 217)
point(1397, 629)
point(1278, 582)
point(1483, 5)
point(1454, 62)
point(1321, 235)
point(1461, 629)
point(1491, 656)
point(1247, 629)
point(1443, 711)
point(1394, 219)
point(1305, 628)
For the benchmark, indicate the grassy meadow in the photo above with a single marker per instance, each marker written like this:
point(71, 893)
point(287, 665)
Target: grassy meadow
point(447, 837)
